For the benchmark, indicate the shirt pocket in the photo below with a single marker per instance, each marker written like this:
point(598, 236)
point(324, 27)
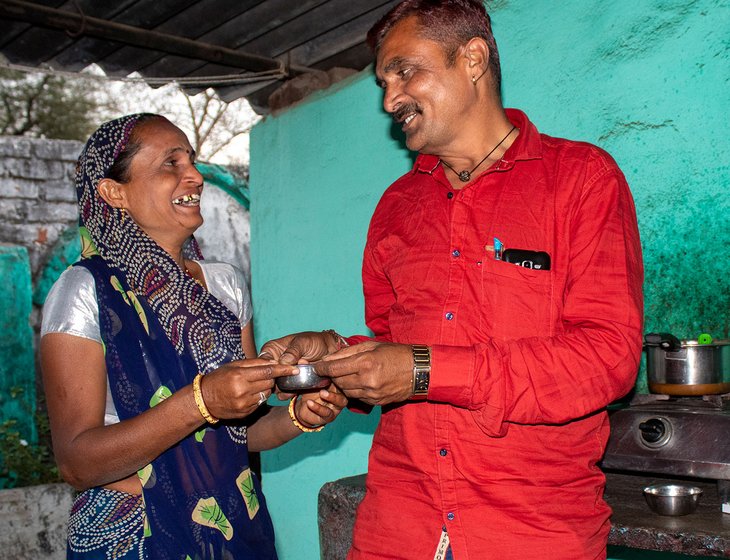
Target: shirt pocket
point(517, 300)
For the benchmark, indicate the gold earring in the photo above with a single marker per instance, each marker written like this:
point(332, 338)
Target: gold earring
point(475, 79)
point(124, 214)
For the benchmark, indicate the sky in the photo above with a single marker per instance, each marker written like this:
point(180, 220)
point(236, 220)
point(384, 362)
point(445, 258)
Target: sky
point(136, 96)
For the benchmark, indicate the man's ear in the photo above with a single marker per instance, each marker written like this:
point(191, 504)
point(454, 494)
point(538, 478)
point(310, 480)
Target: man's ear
point(476, 52)
point(112, 193)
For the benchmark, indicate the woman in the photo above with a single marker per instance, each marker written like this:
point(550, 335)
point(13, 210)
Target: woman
point(153, 406)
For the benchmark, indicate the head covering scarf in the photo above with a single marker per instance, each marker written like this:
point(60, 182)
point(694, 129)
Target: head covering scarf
point(160, 328)
point(194, 320)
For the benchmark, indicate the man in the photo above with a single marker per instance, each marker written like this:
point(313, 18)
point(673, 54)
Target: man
point(502, 279)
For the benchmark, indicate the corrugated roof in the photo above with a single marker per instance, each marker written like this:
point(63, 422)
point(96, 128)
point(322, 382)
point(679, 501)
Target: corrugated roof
point(122, 37)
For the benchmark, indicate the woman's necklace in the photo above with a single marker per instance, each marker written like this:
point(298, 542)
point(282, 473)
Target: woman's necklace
point(185, 268)
point(189, 273)
point(465, 176)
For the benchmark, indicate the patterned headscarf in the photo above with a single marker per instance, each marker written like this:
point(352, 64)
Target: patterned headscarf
point(194, 321)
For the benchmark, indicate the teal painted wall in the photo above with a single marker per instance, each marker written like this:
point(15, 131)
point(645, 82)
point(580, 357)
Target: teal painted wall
point(649, 81)
point(309, 215)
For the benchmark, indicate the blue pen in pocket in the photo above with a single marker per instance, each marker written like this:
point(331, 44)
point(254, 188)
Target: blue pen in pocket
point(497, 249)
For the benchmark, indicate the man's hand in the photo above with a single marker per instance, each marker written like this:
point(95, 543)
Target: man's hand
point(373, 372)
point(296, 348)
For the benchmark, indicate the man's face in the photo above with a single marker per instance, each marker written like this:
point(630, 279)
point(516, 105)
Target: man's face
point(421, 92)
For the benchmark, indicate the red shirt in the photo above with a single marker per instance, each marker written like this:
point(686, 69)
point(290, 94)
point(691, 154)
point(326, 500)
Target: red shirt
point(503, 454)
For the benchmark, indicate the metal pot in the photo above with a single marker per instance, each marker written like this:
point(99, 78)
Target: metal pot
point(686, 367)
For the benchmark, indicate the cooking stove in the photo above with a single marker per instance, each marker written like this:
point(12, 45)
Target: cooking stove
point(677, 436)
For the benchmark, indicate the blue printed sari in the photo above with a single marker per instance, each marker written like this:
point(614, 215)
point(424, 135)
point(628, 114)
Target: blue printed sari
point(201, 499)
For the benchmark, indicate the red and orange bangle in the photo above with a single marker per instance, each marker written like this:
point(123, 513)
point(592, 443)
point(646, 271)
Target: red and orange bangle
point(297, 423)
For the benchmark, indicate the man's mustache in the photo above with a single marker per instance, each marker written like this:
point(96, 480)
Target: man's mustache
point(405, 110)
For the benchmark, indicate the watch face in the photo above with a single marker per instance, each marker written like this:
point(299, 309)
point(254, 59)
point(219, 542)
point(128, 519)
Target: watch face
point(422, 379)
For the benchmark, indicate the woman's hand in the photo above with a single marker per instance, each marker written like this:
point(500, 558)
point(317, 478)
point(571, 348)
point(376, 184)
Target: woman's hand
point(319, 408)
point(311, 409)
point(238, 388)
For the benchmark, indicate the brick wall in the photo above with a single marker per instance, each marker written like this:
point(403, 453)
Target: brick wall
point(37, 197)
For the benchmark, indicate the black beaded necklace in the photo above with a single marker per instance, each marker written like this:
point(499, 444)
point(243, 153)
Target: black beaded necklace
point(465, 176)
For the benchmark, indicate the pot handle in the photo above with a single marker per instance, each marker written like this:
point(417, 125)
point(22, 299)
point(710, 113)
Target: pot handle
point(666, 341)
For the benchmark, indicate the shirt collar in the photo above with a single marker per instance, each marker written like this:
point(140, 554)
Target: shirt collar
point(527, 146)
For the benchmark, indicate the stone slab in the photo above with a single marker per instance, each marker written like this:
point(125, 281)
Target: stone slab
point(337, 504)
point(33, 521)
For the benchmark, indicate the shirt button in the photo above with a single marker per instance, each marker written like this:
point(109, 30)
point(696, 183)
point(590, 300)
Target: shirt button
point(450, 516)
point(443, 453)
point(449, 195)
point(449, 316)
point(455, 253)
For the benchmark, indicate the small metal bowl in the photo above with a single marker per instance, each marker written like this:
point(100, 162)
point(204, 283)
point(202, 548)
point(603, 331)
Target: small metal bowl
point(672, 499)
point(306, 379)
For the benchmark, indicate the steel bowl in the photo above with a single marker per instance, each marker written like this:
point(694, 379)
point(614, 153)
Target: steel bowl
point(672, 499)
point(306, 379)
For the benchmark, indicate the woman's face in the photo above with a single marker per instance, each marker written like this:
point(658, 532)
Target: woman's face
point(163, 193)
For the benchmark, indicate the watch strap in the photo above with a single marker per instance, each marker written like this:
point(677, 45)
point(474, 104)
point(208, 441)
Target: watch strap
point(421, 371)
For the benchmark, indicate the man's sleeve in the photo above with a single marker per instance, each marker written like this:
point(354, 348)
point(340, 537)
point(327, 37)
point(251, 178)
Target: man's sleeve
point(380, 296)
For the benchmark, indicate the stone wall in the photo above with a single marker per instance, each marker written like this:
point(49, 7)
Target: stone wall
point(37, 199)
point(37, 203)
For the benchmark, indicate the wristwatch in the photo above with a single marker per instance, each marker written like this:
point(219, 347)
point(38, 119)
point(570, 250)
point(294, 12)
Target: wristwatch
point(421, 371)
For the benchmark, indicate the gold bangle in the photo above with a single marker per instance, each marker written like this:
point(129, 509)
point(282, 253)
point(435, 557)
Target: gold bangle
point(297, 423)
point(197, 393)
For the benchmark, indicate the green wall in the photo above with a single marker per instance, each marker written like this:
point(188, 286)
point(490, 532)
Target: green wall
point(649, 81)
point(17, 373)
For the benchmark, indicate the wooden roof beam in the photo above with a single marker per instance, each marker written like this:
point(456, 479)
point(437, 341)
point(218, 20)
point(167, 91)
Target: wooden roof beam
point(80, 24)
